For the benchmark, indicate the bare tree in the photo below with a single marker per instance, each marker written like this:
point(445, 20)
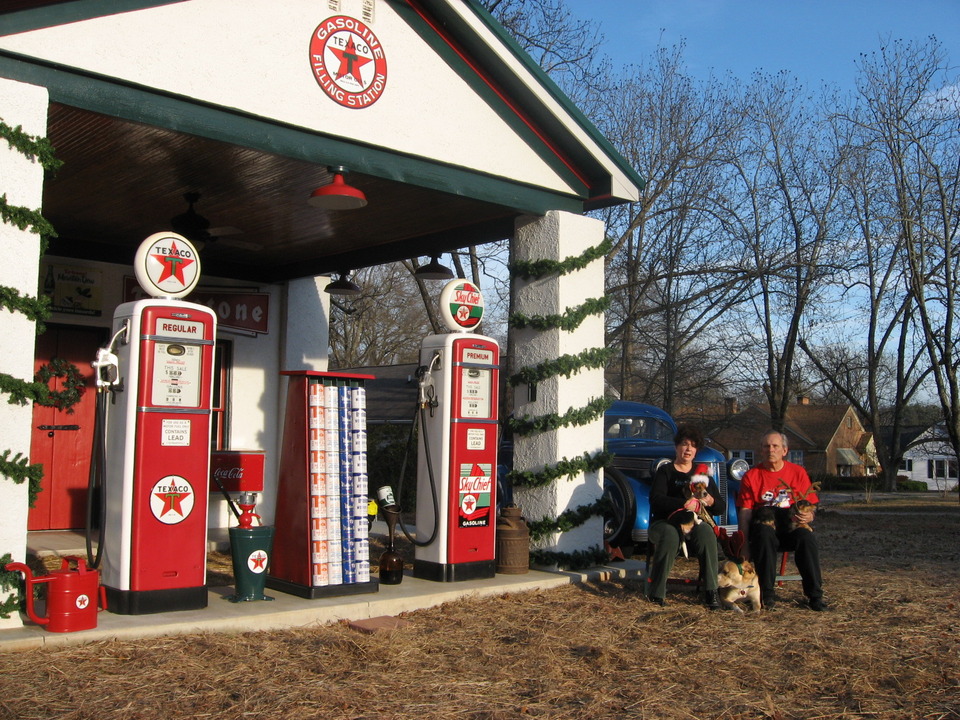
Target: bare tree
point(786, 166)
point(908, 117)
point(672, 271)
point(383, 325)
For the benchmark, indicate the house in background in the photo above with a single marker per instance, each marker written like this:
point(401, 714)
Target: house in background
point(824, 439)
point(930, 459)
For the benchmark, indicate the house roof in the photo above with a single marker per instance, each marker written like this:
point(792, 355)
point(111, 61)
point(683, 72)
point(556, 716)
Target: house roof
point(153, 100)
point(808, 427)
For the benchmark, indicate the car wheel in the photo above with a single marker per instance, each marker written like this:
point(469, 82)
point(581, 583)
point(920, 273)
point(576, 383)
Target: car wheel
point(621, 511)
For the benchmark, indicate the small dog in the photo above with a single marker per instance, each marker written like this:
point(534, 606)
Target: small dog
point(696, 490)
point(738, 581)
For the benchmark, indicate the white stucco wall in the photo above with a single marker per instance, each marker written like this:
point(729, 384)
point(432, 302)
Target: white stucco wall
point(558, 236)
point(255, 56)
point(21, 180)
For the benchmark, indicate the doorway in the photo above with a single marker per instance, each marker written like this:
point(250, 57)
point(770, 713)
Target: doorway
point(61, 440)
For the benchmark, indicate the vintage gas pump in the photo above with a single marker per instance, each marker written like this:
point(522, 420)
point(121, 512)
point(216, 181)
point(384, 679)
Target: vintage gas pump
point(457, 452)
point(158, 438)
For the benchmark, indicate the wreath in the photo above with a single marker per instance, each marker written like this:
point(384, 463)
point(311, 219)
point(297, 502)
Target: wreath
point(73, 384)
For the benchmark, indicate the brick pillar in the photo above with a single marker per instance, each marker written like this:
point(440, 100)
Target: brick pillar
point(558, 236)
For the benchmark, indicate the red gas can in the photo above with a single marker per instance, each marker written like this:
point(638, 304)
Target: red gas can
point(72, 596)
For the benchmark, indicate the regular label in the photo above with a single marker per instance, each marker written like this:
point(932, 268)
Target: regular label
point(175, 433)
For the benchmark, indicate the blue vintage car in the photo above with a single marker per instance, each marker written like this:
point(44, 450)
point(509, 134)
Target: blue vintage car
point(640, 437)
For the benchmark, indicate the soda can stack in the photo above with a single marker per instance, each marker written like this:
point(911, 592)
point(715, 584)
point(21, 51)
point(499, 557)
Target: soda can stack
point(334, 505)
point(359, 480)
point(347, 528)
point(319, 559)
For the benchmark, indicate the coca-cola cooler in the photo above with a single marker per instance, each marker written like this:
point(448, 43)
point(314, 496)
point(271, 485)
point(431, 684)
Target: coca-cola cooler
point(236, 471)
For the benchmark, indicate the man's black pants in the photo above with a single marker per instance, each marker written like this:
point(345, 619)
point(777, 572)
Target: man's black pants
point(766, 544)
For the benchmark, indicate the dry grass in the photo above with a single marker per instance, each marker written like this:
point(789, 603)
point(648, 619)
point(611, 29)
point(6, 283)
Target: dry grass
point(888, 648)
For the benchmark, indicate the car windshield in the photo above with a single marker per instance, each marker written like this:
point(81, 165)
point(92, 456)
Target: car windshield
point(635, 427)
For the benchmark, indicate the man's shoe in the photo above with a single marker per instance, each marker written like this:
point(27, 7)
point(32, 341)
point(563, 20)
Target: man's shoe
point(769, 600)
point(657, 601)
point(711, 599)
point(817, 604)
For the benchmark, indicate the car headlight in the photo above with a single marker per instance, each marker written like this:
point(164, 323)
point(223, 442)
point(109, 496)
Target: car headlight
point(737, 469)
point(659, 463)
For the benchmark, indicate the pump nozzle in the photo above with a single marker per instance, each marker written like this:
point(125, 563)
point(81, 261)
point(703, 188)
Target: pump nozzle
point(107, 368)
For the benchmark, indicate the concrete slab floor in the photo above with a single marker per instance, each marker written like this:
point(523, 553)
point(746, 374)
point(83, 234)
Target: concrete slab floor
point(286, 611)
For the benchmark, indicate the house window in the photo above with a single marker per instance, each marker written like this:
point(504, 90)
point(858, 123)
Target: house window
point(952, 469)
point(220, 411)
point(742, 455)
point(849, 421)
point(906, 464)
point(796, 457)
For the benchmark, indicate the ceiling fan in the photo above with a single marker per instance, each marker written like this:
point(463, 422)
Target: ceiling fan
point(196, 228)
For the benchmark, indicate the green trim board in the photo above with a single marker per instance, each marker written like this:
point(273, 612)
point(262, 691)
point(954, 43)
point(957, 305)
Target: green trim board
point(508, 78)
point(136, 103)
point(63, 13)
point(482, 87)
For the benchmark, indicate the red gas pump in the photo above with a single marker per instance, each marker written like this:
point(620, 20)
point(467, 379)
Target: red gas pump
point(158, 439)
point(457, 456)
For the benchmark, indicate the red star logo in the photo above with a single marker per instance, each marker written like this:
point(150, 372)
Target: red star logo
point(350, 61)
point(171, 501)
point(259, 560)
point(468, 505)
point(173, 264)
point(82, 602)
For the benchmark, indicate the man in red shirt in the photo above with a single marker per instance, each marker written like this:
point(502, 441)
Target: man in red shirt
point(775, 485)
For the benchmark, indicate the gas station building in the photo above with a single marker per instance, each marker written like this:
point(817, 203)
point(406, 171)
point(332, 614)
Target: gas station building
point(240, 112)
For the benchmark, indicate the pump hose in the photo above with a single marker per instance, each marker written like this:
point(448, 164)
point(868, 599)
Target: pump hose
point(98, 464)
point(418, 419)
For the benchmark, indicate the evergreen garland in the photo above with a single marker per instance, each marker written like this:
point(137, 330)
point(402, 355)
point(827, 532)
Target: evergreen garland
point(565, 365)
point(35, 308)
point(9, 580)
point(536, 269)
point(18, 469)
point(569, 320)
point(527, 425)
point(565, 468)
point(38, 148)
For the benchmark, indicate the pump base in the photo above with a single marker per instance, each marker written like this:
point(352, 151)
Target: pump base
point(146, 602)
point(440, 572)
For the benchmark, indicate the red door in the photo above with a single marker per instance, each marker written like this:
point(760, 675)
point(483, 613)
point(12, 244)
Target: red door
point(62, 440)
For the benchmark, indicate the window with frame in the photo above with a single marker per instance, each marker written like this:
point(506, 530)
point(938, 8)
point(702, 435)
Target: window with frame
point(742, 455)
point(220, 409)
point(906, 464)
point(795, 456)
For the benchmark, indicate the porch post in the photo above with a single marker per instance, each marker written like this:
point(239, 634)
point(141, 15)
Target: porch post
point(21, 180)
point(558, 236)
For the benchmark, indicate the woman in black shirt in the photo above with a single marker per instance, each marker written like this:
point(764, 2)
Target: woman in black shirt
point(672, 509)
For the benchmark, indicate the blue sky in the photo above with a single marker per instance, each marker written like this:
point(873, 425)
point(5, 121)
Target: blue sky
point(814, 39)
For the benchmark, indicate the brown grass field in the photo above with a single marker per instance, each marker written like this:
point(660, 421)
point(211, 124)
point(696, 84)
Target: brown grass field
point(889, 647)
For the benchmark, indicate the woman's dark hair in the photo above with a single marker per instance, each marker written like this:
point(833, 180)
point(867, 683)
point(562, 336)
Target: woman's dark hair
point(691, 433)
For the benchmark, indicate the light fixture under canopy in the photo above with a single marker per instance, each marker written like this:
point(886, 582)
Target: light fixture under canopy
point(337, 194)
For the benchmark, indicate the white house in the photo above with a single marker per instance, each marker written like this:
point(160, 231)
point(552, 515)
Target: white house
point(453, 135)
point(931, 460)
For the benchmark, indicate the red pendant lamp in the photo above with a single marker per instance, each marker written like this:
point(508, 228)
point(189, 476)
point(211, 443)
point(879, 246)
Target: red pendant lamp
point(337, 194)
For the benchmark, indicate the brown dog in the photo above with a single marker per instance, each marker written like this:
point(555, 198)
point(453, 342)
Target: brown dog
point(738, 581)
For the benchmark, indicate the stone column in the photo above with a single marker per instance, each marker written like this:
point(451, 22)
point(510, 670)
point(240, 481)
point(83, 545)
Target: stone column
point(21, 180)
point(558, 236)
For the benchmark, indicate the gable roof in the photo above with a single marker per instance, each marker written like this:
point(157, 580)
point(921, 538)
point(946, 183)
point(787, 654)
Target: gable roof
point(152, 100)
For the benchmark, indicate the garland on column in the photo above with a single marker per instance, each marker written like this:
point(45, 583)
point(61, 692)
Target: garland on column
point(565, 365)
point(18, 468)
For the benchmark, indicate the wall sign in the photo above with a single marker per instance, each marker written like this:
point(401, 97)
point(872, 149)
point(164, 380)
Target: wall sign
point(348, 62)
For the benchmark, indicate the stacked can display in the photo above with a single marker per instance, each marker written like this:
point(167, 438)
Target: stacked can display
point(340, 545)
